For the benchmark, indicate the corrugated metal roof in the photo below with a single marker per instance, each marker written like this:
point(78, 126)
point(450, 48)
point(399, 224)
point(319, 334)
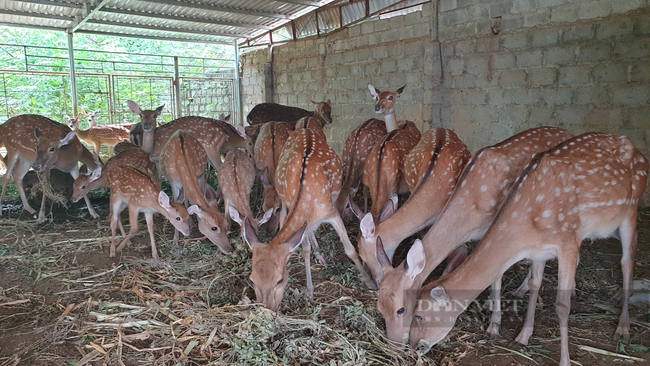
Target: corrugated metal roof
point(213, 21)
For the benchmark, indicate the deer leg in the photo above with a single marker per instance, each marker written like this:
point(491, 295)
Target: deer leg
point(18, 171)
point(535, 275)
point(98, 148)
point(10, 163)
point(338, 225)
point(317, 255)
point(520, 292)
point(154, 252)
point(46, 179)
point(116, 209)
point(306, 253)
point(495, 320)
point(283, 214)
point(567, 262)
point(628, 241)
point(110, 150)
point(133, 229)
point(175, 194)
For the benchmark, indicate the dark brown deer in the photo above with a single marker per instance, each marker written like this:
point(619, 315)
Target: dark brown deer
point(267, 112)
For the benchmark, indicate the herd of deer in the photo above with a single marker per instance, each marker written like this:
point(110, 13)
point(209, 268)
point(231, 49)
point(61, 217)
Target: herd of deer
point(536, 195)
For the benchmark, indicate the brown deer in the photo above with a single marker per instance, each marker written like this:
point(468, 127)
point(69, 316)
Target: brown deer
point(480, 191)
point(386, 105)
point(100, 135)
point(123, 146)
point(236, 179)
point(34, 141)
point(431, 171)
point(586, 187)
point(139, 191)
point(357, 148)
point(308, 182)
point(269, 143)
point(183, 161)
point(92, 120)
point(268, 112)
point(215, 136)
point(99, 177)
point(383, 172)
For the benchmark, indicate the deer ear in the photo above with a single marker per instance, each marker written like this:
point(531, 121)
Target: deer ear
point(97, 113)
point(252, 130)
point(194, 210)
point(97, 159)
point(329, 103)
point(295, 240)
point(367, 226)
point(159, 110)
point(400, 90)
point(314, 103)
point(455, 259)
point(382, 257)
point(83, 170)
point(210, 194)
point(249, 234)
point(234, 214)
point(374, 92)
point(440, 296)
point(134, 107)
point(221, 117)
point(356, 210)
point(163, 200)
point(38, 134)
point(415, 260)
point(96, 174)
point(265, 176)
point(389, 209)
point(266, 217)
point(242, 131)
point(181, 195)
point(227, 118)
point(68, 138)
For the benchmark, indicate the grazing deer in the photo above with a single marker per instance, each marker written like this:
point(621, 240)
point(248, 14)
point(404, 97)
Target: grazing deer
point(236, 179)
point(269, 143)
point(308, 182)
point(586, 187)
point(383, 172)
point(357, 148)
point(267, 112)
point(480, 191)
point(37, 142)
point(183, 161)
point(431, 171)
point(100, 135)
point(141, 193)
point(215, 136)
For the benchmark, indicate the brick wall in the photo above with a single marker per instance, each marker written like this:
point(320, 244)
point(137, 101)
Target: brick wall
point(580, 65)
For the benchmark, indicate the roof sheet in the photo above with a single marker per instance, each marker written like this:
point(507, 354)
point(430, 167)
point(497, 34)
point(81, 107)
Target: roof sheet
point(213, 21)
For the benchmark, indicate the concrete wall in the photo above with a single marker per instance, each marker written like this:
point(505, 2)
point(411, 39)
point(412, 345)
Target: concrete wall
point(499, 67)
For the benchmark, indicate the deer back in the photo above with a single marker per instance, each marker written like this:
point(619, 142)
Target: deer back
point(382, 172)
point(236, 178)
point(269, 144)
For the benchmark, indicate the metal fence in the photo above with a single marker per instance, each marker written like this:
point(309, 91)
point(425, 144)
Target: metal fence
point(36, 79)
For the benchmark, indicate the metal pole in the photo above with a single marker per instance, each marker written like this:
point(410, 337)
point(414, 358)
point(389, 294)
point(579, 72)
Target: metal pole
point(73, 76)
point(237, 97)
point(177, 88)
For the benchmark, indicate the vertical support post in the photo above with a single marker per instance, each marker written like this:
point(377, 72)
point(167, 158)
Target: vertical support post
point(237, 91)
point(177, 89)
point(73, 74)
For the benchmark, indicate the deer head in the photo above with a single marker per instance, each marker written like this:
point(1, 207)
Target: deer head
point(148, 117)
point(47, 150)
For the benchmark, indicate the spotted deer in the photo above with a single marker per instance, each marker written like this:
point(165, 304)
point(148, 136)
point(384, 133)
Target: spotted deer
point(141, 192)
point(268, 112)
point(308, 182)
point(123, 146)
point(215, 136)
point(267, 150)
point(183, 161)
point(236, 179)
point(92, 120)
point(37, 142)
point(357, 148)
point(100, 135)
point(99, 177)
point(431, 171)
point(383, 172)
point(586, 187)
point(468, 213)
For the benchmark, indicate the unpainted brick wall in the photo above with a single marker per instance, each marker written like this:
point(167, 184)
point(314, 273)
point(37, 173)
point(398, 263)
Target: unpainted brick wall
point(500, 67)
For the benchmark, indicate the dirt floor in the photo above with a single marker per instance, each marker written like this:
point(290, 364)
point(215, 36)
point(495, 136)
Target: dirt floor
point(63, 301)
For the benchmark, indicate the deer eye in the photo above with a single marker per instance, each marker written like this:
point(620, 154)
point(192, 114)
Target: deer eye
point(279, 282)
point(418, 318)
point(178, 219)
point(83, 187)
point(214, 228)
point(400, 311)
point(51, 149)
point(390, 98)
